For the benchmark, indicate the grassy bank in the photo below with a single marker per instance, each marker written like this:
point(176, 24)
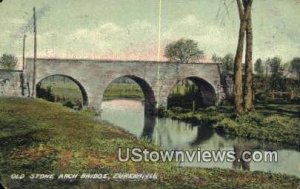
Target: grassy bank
point(123, 90)
point(42, 137)
point(270, 122)
point(63, 91)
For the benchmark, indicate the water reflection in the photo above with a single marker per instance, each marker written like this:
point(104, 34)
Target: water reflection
point(149, 123)
point(203, 134)
point(239, 147)
point(172, 134)
point(175, 135)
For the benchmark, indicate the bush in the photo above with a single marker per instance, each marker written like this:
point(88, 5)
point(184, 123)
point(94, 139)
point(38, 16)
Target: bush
point(275, 121)
point(68, 104)
point(251, 118)
point(227, 125)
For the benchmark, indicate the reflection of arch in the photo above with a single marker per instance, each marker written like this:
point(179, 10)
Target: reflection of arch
point(82, 90)
point(147, 91)
point(149, 124)
point(203, 134)
point(208, 92)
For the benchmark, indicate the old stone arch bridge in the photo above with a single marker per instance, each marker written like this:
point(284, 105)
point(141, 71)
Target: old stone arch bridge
point(94, 76)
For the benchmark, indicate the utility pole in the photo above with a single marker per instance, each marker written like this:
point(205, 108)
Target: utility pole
point(34, 55)
point(24, 46)
point(23, 67)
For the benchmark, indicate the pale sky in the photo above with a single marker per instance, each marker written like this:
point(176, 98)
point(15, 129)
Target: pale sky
point(128, 29)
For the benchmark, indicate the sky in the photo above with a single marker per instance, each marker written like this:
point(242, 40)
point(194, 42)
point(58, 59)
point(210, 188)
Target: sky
point(129, 29)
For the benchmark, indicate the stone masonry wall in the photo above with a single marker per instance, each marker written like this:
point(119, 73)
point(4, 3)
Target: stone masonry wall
point(10, 84)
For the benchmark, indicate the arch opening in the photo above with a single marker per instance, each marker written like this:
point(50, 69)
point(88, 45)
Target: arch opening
point(134, 88)
point(191, 93)
point(62, 89)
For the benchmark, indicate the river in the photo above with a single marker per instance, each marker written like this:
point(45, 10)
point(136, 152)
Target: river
point(175, 135)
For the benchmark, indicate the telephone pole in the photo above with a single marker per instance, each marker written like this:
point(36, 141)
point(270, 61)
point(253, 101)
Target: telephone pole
point(24, 46)
point(23, 66)
point(34, 55)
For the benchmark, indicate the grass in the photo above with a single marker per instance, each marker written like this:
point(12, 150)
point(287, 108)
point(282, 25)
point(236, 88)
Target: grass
point(123, 90)
point(63, 90)
point(42, 137)
point(69, 94)
point(270, 122)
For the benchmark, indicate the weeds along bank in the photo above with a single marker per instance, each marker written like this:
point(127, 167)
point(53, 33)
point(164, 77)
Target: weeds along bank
point(270, 122)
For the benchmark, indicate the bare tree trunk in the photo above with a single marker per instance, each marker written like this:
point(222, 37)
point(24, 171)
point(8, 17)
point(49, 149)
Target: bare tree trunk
point(237, 90)
point(237, 87)
point(248, 90)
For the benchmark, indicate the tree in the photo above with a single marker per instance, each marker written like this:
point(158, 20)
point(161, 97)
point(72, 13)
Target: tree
point(295, 67)
point(215, 58)
point(258, 67)
point(276, 69)
point(183, 51)
point(8, 61)
point(248, 86)
point(244, 13)
point(226, 62)
point(274, 64)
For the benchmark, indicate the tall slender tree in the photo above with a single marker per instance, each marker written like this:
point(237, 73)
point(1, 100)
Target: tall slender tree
point(248, 83)
point(244, 13)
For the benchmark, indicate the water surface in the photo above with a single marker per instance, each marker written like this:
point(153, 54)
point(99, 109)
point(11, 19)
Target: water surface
point(176, 135)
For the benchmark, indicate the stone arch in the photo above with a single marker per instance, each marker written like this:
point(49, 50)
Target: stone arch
point(148, 92)
point(208, 92)
point(81, 88)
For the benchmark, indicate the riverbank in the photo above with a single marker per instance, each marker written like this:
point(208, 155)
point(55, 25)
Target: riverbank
point(41, 137)
point(270, 122)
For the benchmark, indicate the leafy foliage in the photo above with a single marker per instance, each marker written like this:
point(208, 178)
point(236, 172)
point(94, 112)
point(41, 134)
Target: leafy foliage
point(258, 67)
point(226, 62)
point(183, 51)
point(276, 78)
point(276, 69)
point(8, 61)
point(295, 66)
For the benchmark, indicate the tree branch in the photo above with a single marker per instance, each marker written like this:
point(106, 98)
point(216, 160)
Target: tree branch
point(240, 8)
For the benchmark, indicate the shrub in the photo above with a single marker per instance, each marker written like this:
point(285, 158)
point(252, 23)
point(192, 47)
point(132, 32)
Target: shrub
point(227, 125)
